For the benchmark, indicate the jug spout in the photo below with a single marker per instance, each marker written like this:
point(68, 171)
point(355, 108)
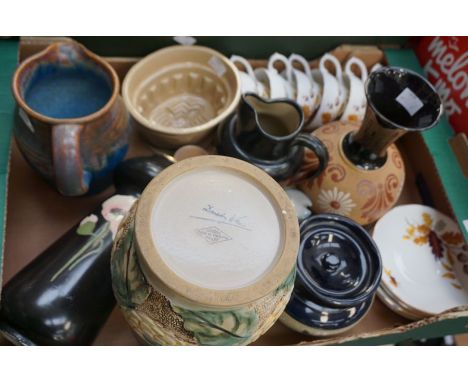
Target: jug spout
point(278, 119)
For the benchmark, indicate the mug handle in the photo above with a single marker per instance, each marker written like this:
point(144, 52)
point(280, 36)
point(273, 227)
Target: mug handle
point(360, 64)
point(335, 62)
point(70, 177)
point(241, 60)
point(305, 65)
point(279, 57)
point(318, 147)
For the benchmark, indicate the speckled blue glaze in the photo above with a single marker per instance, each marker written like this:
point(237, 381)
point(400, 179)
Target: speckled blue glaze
point(67, 92)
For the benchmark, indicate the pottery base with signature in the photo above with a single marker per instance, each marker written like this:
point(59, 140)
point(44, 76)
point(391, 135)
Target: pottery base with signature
point(160, 321)
point(188, 267)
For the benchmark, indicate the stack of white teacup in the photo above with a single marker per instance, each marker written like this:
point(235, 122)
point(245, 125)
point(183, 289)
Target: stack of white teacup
point(323, 96)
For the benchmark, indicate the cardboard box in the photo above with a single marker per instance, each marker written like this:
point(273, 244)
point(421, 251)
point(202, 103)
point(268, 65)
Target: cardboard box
point(37, 214)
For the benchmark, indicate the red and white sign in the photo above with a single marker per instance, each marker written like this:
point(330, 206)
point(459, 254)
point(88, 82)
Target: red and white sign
point(445, 62)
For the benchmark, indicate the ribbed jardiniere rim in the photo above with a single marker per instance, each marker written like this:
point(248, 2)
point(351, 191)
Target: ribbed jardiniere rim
point(367, 285)
point(183, 130)
point(158, 273)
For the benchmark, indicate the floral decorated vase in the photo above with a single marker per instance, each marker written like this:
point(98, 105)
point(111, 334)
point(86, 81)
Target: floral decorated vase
point(207, 255)
point(348, 190)
point(365, 173)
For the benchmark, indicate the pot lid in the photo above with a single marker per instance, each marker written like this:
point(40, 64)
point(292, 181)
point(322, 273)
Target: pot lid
point(216, 231)
point(338, 262)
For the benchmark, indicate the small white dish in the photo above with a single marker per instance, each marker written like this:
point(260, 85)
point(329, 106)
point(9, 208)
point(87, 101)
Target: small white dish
point(424, 259)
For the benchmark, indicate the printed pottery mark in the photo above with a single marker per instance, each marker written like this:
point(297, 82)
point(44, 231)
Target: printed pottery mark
point(213, 235)
point(380, 196)
point(443, 244)
point(159, 321)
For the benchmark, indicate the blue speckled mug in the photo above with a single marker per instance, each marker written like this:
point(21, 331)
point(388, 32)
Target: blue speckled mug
point(72, 126)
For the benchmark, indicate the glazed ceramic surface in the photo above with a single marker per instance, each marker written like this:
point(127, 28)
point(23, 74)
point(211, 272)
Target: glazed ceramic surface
point(306, 90)
point(64, 296)
point(208, 255)
point(302, 203)
point(365, 173)
point(332, 92)
point(249, 83)
point(425, 259)
point(178, 95)
point(355, 107)
point(338, 272)
point(267, 133)
point(347, 190)
point(72, 126)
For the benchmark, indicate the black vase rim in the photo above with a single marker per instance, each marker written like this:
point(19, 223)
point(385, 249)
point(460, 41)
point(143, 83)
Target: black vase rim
point(389, 121)
point(369, 283)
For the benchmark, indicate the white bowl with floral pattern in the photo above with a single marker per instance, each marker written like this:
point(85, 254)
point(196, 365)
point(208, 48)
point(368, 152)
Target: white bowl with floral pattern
point(425, 259)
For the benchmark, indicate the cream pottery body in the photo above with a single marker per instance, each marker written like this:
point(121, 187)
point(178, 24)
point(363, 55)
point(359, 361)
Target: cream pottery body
point(178, 270)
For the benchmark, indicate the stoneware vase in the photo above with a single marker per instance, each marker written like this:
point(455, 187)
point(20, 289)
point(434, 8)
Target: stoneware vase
point(64, 296)
point(71, 125)
point(207, 256)
point(365, 173)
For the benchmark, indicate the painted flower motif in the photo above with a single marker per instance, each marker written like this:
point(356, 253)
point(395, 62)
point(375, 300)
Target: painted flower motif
point(335, 201)
point(87, 225)
point(114, 210)
point(443, 245)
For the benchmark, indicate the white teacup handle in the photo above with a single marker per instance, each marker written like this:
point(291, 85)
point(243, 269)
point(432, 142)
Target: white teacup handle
point(360, 64)
point(376, 67)
point(296, 57)
point(244, 63)
point(279, 57)
point(328, 57)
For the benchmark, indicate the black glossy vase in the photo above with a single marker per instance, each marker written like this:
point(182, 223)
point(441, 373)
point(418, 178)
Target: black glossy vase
point(338, 271)
point(64, 296)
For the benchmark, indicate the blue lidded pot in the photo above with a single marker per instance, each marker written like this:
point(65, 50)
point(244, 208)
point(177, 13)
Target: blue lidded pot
point(338, 271)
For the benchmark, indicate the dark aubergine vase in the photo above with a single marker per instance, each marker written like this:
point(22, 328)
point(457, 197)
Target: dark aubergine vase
point(268, 134)
point(338, 271)
point(64, 296)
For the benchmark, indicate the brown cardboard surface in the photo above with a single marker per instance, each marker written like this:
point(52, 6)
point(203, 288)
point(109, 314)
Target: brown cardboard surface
point(37, 215)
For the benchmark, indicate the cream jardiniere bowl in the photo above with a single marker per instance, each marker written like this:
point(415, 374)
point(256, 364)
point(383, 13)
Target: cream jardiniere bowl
point(178, 95)
point(207, 256)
